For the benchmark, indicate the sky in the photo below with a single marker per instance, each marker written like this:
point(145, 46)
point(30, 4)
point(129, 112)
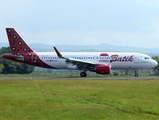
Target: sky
point(83, 22)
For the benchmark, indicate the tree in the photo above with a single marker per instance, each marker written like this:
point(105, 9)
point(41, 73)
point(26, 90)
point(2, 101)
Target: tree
point(157, 67)
point(23, 68)
point(4, 50)
point(9, 67)
point(1, 68)
point(13, 67)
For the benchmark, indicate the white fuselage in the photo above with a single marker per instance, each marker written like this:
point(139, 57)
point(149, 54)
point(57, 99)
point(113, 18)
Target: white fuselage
point(99, 62)
point(117, 60)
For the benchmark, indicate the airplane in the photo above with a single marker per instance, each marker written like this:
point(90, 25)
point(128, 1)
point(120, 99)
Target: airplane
point(99, 62)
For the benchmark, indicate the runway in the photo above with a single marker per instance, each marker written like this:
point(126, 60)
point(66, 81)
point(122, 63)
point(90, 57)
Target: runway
point(77, 78)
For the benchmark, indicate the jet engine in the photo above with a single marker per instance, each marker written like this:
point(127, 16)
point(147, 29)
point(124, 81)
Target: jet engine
point(103, 69)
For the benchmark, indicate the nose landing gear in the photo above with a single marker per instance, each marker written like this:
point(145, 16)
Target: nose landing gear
point(136, 73)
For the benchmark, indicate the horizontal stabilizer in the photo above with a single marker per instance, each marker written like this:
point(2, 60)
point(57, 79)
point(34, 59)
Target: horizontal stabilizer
point(13, 57)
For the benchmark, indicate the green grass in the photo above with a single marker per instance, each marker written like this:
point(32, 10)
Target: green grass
point(79, 99)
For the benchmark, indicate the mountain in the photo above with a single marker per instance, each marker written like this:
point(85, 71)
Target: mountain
point(91, 48)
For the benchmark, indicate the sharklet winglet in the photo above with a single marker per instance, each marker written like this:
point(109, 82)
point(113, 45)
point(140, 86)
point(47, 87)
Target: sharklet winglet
point(58, 53)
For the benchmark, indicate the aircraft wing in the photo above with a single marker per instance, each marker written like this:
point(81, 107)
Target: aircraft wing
point(74, 61)
point(79, 63)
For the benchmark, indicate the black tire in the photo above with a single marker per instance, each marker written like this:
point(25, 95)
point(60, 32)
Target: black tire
point(136, 75)
point(83, 74)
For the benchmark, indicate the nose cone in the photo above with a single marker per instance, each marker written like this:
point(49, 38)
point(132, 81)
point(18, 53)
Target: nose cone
point(154, 63)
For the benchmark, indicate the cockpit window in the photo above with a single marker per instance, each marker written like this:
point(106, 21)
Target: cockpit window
point(147, 58)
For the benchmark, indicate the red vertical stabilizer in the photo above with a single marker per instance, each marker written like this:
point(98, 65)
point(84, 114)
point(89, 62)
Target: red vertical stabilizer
point(17, 44)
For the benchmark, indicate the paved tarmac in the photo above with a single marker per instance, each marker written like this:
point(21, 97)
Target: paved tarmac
point(77, 78)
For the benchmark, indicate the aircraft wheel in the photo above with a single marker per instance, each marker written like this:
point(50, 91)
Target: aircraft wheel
point(83, 74)
point(136, 75)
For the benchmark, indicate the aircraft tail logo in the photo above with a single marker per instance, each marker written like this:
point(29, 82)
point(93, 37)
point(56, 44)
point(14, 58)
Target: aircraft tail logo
point(17, 44)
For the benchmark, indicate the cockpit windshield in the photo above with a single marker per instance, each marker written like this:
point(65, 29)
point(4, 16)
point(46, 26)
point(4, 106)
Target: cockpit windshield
point(147, 58)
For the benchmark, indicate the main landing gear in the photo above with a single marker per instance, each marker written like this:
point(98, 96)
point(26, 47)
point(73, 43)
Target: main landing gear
point(136, 74)
point(83, 74)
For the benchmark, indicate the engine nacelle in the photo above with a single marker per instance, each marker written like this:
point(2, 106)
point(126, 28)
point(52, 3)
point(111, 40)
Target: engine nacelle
point(103, 69)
